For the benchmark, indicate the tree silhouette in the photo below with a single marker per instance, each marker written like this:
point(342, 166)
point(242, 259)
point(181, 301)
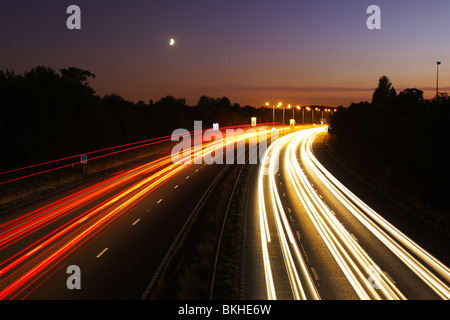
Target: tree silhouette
point(384, 94)
point(408, 100)
point(402, 133)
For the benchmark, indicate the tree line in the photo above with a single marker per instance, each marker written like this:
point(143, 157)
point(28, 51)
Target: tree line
point(47, 115)
point(399, 143)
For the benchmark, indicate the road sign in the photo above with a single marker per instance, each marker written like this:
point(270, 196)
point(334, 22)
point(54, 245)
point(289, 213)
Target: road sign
point(215, 126)
point(83, 158)
point(253, 121)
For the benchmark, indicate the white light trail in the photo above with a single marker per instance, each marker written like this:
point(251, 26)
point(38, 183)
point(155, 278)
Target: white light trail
point(363, 274)
point(382, 229)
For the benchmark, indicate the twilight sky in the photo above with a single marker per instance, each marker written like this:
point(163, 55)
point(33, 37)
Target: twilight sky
point(251, 51)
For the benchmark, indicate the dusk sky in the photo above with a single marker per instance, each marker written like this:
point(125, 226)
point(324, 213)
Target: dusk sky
point(298, 52)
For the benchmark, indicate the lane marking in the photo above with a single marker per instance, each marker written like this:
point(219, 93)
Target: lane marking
point(136, 221)
point(159, 201)
point(316, 277)
point(176, 187)
point(101, 253)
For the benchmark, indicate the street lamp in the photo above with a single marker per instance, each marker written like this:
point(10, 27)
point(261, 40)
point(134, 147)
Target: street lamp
point(289, 106)
point(293, 109)
point(437, 78)
point(303, 115)
point(279, 104)
point(273, 113)
point(308, 108)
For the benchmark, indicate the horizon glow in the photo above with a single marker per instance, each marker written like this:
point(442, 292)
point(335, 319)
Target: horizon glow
point(298, 52)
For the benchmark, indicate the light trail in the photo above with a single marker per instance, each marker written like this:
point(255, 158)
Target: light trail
point(125, 147)
point(294, 262)
point(362, 272)
point(352, 259)
point(20, 272)
point(383, 230)
point(15, 229)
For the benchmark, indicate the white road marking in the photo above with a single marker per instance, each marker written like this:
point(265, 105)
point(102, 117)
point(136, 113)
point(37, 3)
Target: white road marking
point(313, 270)
point(101, 253)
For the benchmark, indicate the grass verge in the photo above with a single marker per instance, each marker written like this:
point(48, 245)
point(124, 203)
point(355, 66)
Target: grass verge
point(226, 286)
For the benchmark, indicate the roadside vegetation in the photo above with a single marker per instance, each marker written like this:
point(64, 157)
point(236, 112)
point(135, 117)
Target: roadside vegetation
point(188, 272)
point(47, 115)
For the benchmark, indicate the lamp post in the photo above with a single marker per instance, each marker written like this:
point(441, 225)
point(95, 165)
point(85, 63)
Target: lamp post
point(278, 106)
point(293, 115)
point(273, 113)
point(437, 78)
point(289, 106)
point(308, 108)
point(303, 115)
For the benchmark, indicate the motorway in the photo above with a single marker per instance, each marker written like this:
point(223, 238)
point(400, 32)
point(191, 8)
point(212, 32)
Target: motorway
point(309, 237)
point(116, 229)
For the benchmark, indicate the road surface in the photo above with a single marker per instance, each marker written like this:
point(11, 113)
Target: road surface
point(316, 240)
point(116, 230)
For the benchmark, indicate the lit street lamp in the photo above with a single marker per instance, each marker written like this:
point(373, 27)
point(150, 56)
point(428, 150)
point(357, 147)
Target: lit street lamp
point(273, 113)
point(312, 116)
point(278, 106)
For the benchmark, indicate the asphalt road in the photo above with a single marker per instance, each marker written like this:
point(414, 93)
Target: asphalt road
point(303, 240)
point(118, 260)
point(312, 242)
point(116, 230)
